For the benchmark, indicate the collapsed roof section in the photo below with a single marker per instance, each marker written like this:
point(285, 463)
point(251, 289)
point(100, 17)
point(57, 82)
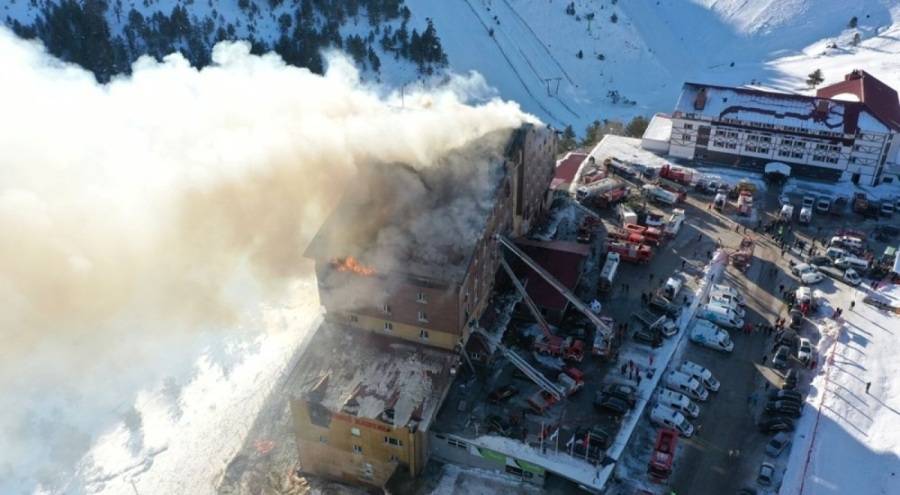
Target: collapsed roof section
point(370, 376)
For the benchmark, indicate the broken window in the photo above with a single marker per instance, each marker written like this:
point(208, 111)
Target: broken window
point(388, 326)
point(355, 431)
point(386, 308)
point(357, 449)
point(420, 297)
point(393, 441)
point(423, 316)
point(423, 334)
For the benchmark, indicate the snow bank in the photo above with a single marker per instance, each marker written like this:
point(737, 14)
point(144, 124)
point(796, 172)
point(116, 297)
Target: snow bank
point(850, 441)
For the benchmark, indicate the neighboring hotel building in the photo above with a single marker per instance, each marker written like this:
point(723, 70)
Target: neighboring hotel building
point(824, 137)
point(370, 383)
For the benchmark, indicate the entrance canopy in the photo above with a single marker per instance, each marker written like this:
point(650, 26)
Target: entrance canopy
point(778, 168)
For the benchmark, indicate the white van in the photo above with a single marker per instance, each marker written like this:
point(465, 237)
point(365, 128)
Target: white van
point(726, 303)
point(669, 418)
point(727, 290)
point(835, 253)
point(687, 385)
point(720, 316)
point(700, 373)
point(849, 261)
point(805, 214)
point(706, 334)
point(678, 401)
point(787, 212)
point(846, 242)
point(672, 287)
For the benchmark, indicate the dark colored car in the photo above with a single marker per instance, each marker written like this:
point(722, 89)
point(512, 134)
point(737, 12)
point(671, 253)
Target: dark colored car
point(596, 440)
point(502, 394)
point(779, 423)
point(786, 395)
point(662, 305)
point(789, 338)
point(819, 261)
point(783, 408)
point(622, 391)
point(611, 405)
point(649, 336)
point(780, 359)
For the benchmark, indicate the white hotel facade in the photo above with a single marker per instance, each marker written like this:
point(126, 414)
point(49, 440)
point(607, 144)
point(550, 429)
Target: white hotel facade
point(819, 137)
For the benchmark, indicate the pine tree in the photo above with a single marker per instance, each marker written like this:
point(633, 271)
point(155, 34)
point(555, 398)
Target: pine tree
point(815, 78)
point(636, 127)
point(567, 141)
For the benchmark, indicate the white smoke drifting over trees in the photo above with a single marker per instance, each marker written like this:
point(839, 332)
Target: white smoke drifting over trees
point(135, 212)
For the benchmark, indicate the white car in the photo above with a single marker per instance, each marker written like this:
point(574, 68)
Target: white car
point(784, 200)
point(804, 350)
point(852, 278)
point(807, 273)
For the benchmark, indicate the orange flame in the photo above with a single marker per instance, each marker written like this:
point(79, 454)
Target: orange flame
point(350, 264)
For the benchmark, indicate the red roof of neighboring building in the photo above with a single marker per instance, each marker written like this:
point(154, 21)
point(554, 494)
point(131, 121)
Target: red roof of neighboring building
point(562, 259)
point(566, 168)
point(878, 97)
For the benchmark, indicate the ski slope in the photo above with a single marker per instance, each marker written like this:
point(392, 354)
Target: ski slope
point(654, 47)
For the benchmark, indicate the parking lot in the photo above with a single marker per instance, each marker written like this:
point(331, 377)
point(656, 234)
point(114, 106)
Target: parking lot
point(726, 450)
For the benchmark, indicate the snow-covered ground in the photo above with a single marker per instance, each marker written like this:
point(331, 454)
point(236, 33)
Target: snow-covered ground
point(653, 47)
point(191, 411)
point(850, 442)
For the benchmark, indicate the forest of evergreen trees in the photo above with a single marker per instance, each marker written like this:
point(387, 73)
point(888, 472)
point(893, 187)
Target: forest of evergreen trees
point(78, 31)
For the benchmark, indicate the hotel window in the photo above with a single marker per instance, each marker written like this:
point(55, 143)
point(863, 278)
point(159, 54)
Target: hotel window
point(388, 326)
point(423, 334)
point(423, 316)
point(357, 449)
point(355, 431)
point(784, 153)
point(420, 297)
point(386, 308)
point(688, 126)
point(393, 441)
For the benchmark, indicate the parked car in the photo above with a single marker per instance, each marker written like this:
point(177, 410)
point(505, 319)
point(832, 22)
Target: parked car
point(612, 405)
point(852, 278)
point(807, 273)
point(780, 359)
point(596, 440)
point(783, 408)
point(664, 306)
point(819, 261)
point(502, 394)
point(649, 336)
point(804, 351)
point(622, 391)
point(766, 474)
point(778, 423)
point(786, 395)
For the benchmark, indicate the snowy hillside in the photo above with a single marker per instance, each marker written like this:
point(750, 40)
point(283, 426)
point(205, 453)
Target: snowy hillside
point(574, 62)
point(655, 46)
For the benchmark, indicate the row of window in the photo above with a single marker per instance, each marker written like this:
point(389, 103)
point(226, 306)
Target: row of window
point(421, 314)
point(389, 326)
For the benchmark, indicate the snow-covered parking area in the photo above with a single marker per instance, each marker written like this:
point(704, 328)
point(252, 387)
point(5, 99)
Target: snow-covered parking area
point(850, 441)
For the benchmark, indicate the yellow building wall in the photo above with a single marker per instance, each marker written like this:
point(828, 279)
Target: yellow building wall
point(436, 338)
point(329, 451)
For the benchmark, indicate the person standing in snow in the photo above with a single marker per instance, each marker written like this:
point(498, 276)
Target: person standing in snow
point(868, 384)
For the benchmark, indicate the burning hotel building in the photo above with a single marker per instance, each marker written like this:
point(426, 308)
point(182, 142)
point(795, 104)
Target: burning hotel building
point(405, 265)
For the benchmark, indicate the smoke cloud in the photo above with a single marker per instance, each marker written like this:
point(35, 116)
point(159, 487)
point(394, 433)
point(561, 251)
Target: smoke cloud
point(177, 199)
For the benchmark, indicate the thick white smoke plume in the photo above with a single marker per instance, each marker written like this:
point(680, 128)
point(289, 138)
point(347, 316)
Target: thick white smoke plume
point(135, 213)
